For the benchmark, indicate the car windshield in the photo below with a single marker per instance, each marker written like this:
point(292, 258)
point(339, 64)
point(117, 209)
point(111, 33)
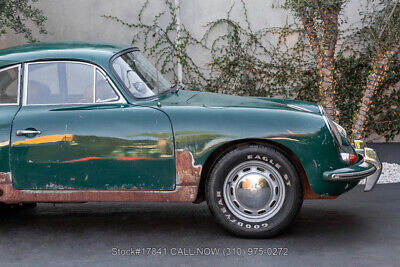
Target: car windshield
point(139, 76)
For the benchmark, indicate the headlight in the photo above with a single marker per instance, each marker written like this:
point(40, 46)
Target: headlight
point(335, 129)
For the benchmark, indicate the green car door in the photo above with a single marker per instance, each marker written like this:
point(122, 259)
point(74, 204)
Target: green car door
point(9, 105)
point(75, 131)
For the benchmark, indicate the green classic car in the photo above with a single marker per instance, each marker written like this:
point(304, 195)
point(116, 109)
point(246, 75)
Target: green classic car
point(91, 122)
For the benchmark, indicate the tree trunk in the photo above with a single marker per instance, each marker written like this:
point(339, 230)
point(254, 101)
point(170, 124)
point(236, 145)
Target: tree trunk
point(327, 87)
point(375, 79)
point(324, 52)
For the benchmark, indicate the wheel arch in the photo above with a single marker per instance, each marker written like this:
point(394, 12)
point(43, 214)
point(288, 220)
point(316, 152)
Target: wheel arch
point(225, 148)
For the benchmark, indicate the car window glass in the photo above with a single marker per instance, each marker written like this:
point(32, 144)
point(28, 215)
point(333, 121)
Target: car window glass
point(79, 79)
point(131, 79)
point(9, 86)
point(43, 84)
point(60, 83)
point(104, 91)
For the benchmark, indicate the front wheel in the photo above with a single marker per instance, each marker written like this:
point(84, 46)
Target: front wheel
point(254, 191)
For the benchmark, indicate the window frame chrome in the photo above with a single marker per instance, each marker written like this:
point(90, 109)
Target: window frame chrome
point(336, 139)
point(105, 77)
point(121, 99)
point(122, 84)
point(19, 84)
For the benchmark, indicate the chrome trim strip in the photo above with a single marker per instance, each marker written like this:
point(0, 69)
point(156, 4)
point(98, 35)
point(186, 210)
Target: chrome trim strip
point(24, 92)
point(107, 78)
point(19, 84)
point(354, 175)
point(298, 108)
point(371, 175)
point(337, 141)
point(94, 85)
point(372, 157)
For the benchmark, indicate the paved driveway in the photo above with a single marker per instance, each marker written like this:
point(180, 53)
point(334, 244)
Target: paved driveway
point(356, 229)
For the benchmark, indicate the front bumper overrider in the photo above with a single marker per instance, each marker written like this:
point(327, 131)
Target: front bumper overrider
point(368, 167)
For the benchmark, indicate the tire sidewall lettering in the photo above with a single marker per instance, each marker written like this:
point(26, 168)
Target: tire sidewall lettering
point(274, 163)
point(230, 217)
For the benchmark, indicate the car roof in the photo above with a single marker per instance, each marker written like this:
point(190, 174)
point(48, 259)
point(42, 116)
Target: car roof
point(98, 53)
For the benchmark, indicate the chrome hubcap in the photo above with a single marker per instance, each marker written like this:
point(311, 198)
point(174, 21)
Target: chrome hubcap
point(254, 191)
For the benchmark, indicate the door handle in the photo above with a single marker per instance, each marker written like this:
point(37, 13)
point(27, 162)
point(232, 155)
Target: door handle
point(28, 132)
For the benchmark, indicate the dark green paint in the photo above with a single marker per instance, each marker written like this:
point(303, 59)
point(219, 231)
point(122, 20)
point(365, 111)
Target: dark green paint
point(198, 121)
point(306, 105)
point(82, 51)
point(7, 114)
point(203, 128)
point(93, 147)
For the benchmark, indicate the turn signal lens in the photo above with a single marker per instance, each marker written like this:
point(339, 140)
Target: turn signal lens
point(353, 158)
point(348, 158)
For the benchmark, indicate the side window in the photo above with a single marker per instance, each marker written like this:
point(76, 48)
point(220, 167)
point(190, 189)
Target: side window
point(104, 91)
point(79, 83)
point(9, 85)
point(60, 83)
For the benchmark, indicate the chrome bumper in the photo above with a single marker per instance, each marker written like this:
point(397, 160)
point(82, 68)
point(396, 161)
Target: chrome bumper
point(369, 167)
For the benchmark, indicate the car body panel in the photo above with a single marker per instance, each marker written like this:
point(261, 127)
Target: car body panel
point(106, 146)
point(303, 133)
point(7, 114)
point(188, 127)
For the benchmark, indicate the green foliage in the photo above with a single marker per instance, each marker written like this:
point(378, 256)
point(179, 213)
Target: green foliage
point(384, 118)
point(380, 28)
point(160, 43)
point(313, 7)
point(14, 15)
point(237, 65)
point(246, 62)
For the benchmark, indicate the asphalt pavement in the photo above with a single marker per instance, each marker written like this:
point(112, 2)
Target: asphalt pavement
point(387, 152)
point(357, 229)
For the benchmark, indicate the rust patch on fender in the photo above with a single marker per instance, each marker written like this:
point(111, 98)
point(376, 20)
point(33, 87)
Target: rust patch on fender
point(308, 192)
point(11, 195)
point(5, 177)
point(55, 186)
point(186, 172)
point(188, 179)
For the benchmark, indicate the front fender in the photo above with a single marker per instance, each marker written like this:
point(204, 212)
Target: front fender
point(202, 130)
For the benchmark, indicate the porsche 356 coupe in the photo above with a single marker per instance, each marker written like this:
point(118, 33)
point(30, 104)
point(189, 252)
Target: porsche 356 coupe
point(85, 122)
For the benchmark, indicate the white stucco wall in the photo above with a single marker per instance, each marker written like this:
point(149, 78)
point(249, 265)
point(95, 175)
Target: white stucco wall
point(81, 19)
